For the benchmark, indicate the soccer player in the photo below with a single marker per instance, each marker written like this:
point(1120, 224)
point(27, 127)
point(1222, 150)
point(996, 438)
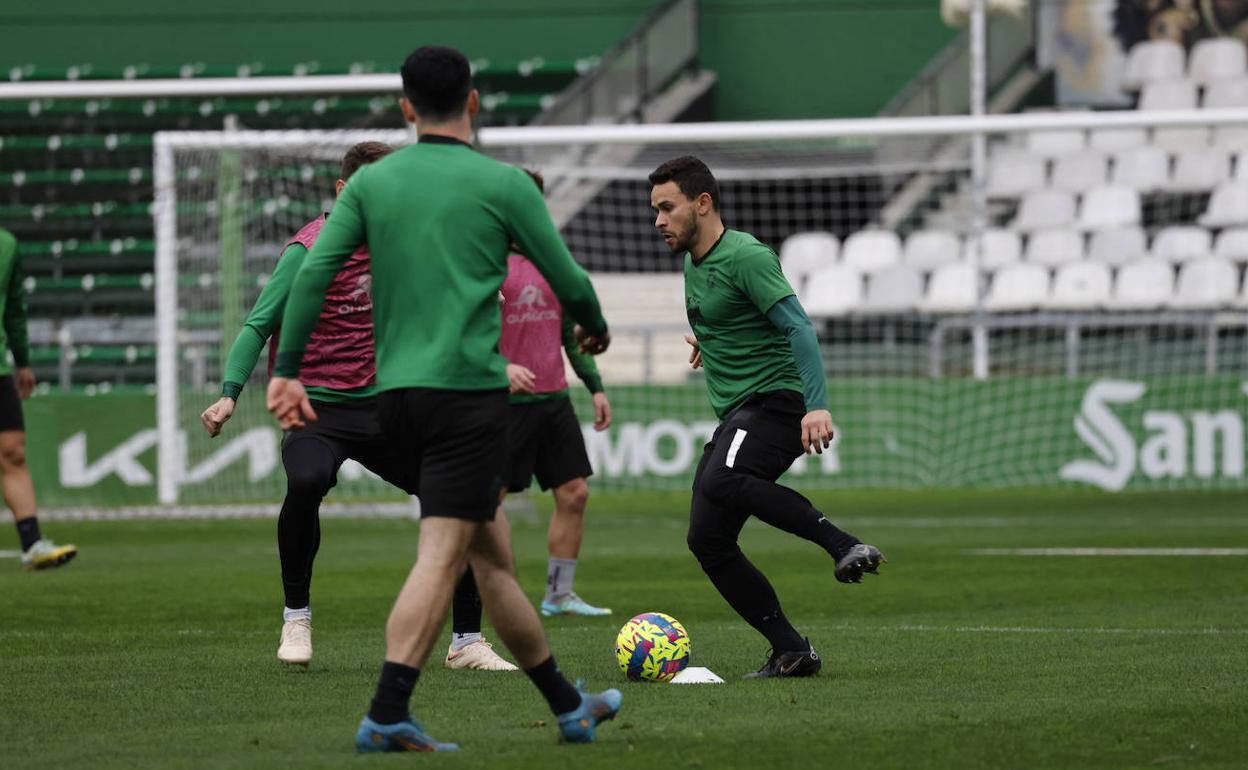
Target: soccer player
point(543, 435)
point(766, 384)
point(438, 218)
point(38, 552)
point(340, 373)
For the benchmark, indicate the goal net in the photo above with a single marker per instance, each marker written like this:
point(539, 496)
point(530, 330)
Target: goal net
point(1084, 322)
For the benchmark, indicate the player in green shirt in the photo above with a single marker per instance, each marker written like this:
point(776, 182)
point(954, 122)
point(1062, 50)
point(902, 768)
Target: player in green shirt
point(38, 552)
point(766, 384)
point(438, 218)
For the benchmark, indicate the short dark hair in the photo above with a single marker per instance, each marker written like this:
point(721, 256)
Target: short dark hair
point(537, 178)
point(437, 80)
point(691, 175)
point(362, 154)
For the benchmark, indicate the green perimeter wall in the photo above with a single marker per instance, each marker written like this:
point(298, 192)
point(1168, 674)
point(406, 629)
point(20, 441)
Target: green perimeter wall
point(775, 58)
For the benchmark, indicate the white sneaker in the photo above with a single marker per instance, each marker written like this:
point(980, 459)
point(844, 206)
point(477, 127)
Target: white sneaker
point(43, 553)
point(296, 646)
point(479, 655)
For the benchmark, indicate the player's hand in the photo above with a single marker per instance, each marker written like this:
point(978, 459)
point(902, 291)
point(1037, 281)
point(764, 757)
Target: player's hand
point(591, 344)
point(288, 402)
point(695, 355)
point(501, 299)
point(25, 378)
point(521, 379)
point(215, 416)
point(816, 431)
point(602, 412)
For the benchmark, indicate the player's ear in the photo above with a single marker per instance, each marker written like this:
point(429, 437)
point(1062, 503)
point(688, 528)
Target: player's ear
point(409, 112)
point(338, 185)
point(705, 204)
point(474, 103)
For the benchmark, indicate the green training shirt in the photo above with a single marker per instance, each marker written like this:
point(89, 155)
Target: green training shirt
point(12, 306)
point(727, 296)
point(439, 219)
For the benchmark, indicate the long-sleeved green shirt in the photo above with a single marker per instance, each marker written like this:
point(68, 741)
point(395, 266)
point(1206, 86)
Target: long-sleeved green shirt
point(12, 306)
point(438, 218)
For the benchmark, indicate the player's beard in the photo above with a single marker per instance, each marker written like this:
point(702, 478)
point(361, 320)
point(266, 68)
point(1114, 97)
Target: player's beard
point(685, 238)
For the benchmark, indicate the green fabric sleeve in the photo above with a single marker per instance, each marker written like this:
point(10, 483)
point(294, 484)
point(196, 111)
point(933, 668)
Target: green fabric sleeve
point(339, 238)
point(15, 315)
point(582, 363)
point(760, 278)
point(539, 240)
point(262, 321)
point(788, 316)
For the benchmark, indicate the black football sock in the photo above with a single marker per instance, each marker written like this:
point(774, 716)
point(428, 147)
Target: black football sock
point(788, 510)
point(555, 687)
point(28, 531)
point(466, 606)
point(394, 690)
point(751, 595)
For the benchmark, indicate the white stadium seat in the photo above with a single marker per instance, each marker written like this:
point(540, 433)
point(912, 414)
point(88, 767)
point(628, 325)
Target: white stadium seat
point(1055, 142)
point(927, 250)
point(1181, 243)
point(1216, 57)
point(1232, 244)
point(1227, 206)
point(1105, 207)
point(1143, 285)
point(1228, 92)
point(1144, 168)
point(870, 250)
point(1199, 169)
point(1001, 247)
point(1206, 283)
point(833, 291)
point(1168, 95)
point(898, 289)
point(1018, 287)
point(1080, 171)
point(1152, 60)
point(1117, 246)
point(1013, 174)
point(952, 289)
point(803, 253)
point(1081, 286)
point(1179, 139)
point(1054, 247)
point(1117, 139)
point(1241, 166)
point(1045, 209)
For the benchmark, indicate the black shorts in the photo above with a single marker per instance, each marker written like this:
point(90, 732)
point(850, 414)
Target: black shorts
point(451, 441)
point(10, 405)
point(544, 439)
point(352, 430)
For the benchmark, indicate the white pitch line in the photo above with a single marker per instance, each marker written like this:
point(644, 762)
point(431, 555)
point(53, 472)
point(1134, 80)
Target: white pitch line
point(1107, 551)
point(1052, 630)
point(10, 554)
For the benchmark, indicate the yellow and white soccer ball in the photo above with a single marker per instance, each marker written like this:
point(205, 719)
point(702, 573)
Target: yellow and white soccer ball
point(652, 646)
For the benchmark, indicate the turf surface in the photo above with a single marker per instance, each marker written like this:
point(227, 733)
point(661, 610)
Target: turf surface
point(156, 647)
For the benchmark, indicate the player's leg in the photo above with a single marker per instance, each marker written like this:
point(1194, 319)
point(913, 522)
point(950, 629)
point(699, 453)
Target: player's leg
point(562, 465)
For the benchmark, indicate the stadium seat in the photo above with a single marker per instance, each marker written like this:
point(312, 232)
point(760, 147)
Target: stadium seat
point(870, 250)
point(952, 289)
point(1018, 287)
point(1152, 60)
point(1207, 283)
point(897, 289)
point(1011, 175)
point(1001, 247)
point(1227, 92)
point(1241, 167)
point(1179, 139)
point(1117, 140)
point(1080, 171)
point(1232, 244)
point(1112, 206)
point(1055, 142)
point(1144, 168)
point(1200, 169)
point(803, 253)
point(1044, 209)
point(833, 291)
point(1215, 58)
point(927, 250)
point(1143, 285)
point(1227, 206)
point(1117, 246)
point(1168, 95)
point(1054, 247)
point(1181, 243)
point(1081, 286)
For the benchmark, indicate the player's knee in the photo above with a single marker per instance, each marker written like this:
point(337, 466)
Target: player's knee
point(573, 496)
point(308, 480)
point(13, 454)
point(711, 549)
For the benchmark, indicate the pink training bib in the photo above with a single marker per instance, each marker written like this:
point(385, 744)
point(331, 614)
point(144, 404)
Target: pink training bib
point(533, 325)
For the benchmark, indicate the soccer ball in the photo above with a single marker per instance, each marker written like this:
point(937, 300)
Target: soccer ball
point(652, 646)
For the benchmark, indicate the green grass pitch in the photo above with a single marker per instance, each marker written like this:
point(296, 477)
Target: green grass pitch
point(156, 647)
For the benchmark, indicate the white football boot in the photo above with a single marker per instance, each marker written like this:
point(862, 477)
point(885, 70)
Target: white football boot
point(479, 655)
point(296, 646)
